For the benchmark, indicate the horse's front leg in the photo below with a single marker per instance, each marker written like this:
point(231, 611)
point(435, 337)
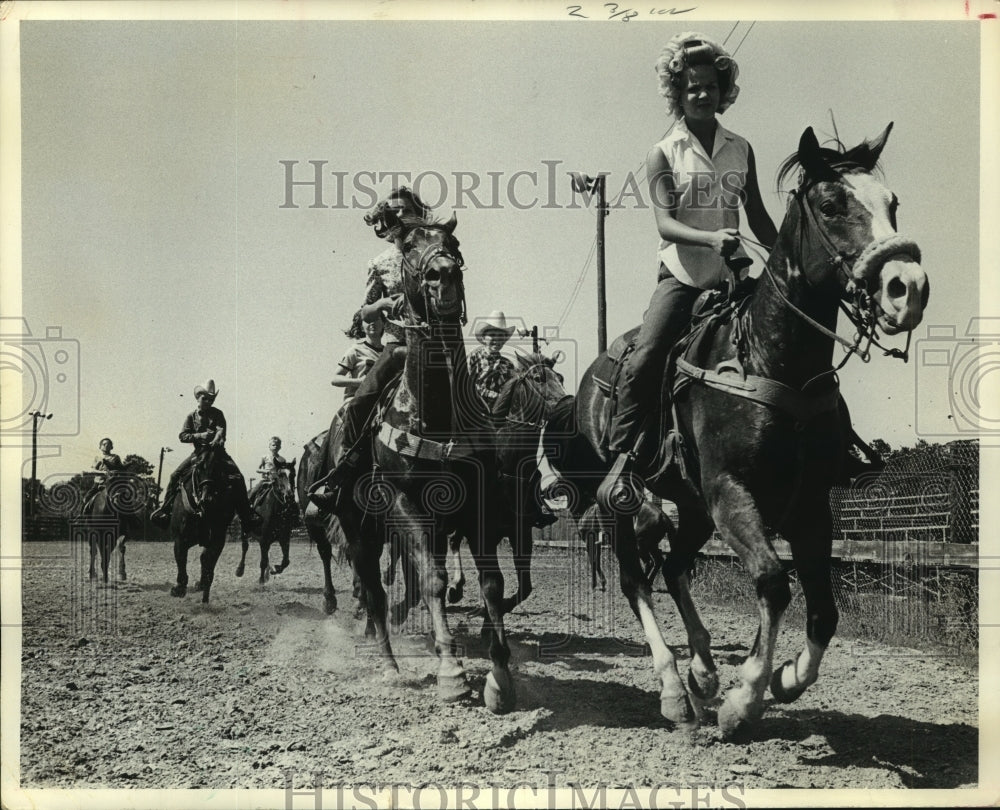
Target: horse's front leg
point(120, 554)
point(265, 557)
point(317, 533)
point(429, 551)
point(522, 547)
point(675, 705)
point(365, 551)
point(181, 547)
point(811, 542)
point(498, 694)
point(740, 524)
point(456, 579)
point(93, 557)
point(209, 557)
point(242, 567)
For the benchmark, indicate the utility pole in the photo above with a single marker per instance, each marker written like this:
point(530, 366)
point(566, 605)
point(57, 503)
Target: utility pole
point(582, 183)
point(36, 417)
point(159, 472)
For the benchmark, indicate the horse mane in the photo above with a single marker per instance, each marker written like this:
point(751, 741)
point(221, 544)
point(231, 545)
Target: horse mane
point(840, 159)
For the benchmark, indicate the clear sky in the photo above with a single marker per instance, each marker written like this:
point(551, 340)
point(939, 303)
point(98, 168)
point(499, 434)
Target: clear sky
point(154, 230)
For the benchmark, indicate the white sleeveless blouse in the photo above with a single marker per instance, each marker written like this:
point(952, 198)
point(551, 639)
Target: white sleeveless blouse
point(709, 191)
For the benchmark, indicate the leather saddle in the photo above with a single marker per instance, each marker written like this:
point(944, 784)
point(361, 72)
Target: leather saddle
point(659, 448)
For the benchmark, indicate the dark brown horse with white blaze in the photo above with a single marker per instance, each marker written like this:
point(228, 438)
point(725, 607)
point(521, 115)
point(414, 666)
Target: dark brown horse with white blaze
point(277, 508)
point(756, 406)
point(435, 470)
point(202, 511)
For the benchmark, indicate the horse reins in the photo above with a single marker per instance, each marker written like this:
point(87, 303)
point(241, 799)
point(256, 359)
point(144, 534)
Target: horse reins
point(427, 255)
point(862, 313)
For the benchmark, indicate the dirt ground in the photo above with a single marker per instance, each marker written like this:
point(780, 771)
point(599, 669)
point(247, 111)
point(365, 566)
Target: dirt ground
point(125, 686)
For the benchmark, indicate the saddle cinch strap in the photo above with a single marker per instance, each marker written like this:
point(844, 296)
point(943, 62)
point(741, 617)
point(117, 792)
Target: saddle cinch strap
point(407, 444)
point(802, 407)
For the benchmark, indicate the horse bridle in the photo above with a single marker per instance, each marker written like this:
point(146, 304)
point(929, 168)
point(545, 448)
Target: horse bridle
point(427, 255)
point(854, 269)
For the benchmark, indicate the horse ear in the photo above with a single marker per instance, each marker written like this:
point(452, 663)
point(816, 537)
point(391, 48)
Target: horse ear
point(452, 223)
point(810, 157)
point(876, 146)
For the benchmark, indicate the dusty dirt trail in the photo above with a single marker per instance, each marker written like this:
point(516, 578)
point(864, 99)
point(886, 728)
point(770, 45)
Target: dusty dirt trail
point(125, 686)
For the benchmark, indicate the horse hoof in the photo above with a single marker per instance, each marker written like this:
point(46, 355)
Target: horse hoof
point(204, 598)
point(498, 695)
point(779, 692)
point(455, 595)
point(121, 576)
point(677, 709)
point(330, 605)
point(452, 687)
point(731, 721)
point(703, 686)
point(178, 590)
point(240, 570)
point(399, 613)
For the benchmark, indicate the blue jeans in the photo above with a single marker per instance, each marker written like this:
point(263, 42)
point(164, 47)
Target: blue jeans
point(639, 384)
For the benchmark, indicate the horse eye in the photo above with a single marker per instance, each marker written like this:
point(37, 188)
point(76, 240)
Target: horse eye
point(828, 208)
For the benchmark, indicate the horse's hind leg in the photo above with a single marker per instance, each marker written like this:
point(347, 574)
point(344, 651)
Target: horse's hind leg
point(590, 532)
point(703, 677)
point(93, 557)
point(740, 524)
point(811, 550)
point(675, 705)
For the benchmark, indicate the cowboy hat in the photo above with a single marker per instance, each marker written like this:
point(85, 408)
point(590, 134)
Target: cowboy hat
point(208, 388)
point(497, 322)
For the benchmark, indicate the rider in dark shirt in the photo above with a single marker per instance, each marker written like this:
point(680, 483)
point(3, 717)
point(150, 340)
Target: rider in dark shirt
point(205, 428)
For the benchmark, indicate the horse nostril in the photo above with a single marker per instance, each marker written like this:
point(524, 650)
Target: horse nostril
point(896, 288)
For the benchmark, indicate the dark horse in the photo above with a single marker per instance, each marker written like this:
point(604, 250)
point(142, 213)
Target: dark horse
point(435, 470)
point(276, 507)
point(202, 511)
point(320, 528)
point(756, 407)
point(119, 502)
point(531, 402)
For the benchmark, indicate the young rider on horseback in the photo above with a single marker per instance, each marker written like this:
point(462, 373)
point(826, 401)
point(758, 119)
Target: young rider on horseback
point(105, 462)
point(205, 428)
point(698, 176)
point(359, 359)
point(383, 297)
point(269, 466)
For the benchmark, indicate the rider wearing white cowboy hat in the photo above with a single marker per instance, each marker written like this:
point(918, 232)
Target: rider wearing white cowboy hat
point(205, 427)
point(488, 368)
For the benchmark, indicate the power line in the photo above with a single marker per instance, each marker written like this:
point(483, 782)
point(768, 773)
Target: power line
point(579, 284)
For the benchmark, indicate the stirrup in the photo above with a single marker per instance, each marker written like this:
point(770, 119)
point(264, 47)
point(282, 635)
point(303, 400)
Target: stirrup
point(621, 491)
